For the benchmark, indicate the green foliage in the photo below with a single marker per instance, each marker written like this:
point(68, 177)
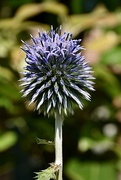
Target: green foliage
point(49, 173)
point(90, 170)
point(7, 140)
point(46, 175)
point(112, 56)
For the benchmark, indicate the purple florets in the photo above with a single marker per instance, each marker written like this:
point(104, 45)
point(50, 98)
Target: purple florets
point(56, 74)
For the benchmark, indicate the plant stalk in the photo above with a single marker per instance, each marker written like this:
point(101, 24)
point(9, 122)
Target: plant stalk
point(58, 144)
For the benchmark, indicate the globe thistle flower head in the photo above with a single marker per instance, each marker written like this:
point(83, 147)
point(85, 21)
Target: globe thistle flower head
point(56, 74)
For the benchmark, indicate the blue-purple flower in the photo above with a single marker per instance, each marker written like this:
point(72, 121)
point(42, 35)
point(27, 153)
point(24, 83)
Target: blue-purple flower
point(56, 75)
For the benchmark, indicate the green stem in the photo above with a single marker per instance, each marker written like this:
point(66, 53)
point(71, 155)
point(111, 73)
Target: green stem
point(58, 143)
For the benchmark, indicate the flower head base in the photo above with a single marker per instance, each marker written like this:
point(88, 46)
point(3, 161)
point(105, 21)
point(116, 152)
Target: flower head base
point(56, 74)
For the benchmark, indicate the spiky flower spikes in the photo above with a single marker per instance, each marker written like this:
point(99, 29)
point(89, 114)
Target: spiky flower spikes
point(56, 75)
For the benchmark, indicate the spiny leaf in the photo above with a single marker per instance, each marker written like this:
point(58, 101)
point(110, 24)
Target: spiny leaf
point(47, 174)
point(44, 141)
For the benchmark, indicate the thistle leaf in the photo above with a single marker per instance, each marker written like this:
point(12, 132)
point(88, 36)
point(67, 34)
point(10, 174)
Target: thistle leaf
point(49, 173)
point(44, 141)
point(46, 174)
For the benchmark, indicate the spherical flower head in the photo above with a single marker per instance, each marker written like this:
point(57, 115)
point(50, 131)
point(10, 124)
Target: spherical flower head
point(56, 75)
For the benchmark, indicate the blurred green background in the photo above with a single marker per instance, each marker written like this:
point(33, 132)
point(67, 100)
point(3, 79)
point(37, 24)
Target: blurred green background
point(92, 137)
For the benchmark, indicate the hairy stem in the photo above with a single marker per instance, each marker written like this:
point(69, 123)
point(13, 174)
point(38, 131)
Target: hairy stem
point(58, 143)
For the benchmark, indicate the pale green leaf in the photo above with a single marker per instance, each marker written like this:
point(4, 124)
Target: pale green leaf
point(7, 140)
point(28, 10)
point(46, 174)
point(32, 9)
point(55, 8)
